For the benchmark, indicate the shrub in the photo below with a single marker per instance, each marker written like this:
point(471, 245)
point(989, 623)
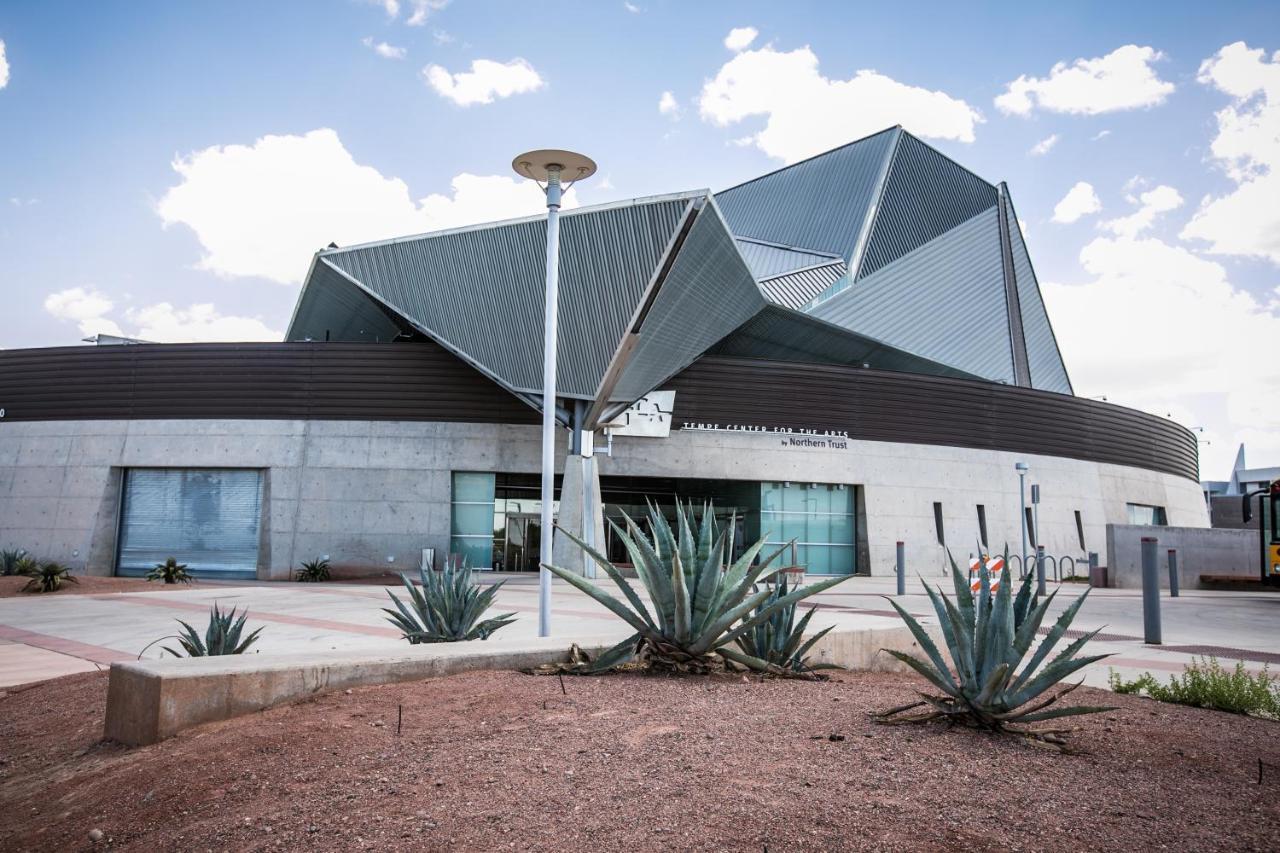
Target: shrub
point(313, 571)
point(699, 607)
point(48, 576)
point(777, 644)
point(170, 571)
point(1208, 685)
point(11, 560)
point(990, 687)
point(221, 637)
point(446, 607)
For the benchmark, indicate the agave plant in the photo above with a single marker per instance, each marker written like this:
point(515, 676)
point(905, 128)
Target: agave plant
point(48, 576)
point(987, 685)
point(699, 606)
point(313, 571)
point(446, 607)
point(170, 571)
point(777, 644)
point(221, 637)
point(10, 561)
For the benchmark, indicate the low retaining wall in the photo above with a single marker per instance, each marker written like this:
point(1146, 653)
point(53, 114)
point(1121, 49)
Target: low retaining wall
point(1201, 551)
point(148, 701)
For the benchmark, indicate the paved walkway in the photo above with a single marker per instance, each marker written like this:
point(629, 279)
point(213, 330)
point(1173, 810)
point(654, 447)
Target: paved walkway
point(47, 637)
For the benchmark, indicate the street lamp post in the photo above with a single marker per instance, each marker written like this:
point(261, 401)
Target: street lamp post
point(1021, 468)
point(549, 168)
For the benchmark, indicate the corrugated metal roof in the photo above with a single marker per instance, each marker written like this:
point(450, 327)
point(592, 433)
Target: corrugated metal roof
point(708, 293)
point(331, 308)
point(770, 259)
point(819, 203)
point(926, 195)
point(780, 334)
point(944, 301)
point(1048, 372)
point(480, 291)
point(797, 289)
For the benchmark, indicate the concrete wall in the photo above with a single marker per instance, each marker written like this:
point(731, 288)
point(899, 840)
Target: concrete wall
point(1201, 551)
point(361, 491)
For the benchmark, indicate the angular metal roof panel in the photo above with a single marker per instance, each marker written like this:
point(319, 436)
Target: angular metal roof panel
point(944, 301)
point(925, 195)
point(337, 310)
point(819, 203)
point(797, 289)
point(1048, 372)
point(770, 259)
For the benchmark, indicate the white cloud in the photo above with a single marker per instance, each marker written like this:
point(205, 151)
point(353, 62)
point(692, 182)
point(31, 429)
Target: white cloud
point(1246, 221)
point(423, 9)
point(632, 8)
point(486, 80)
point(1152, 203)
point(87, 308)
point(807, 113)
point(161, 323)
point(4, 67)
point(1121, 80)
point(391, 7)
point(668, 106)
point(264, 209)
point(383, 49)
point(1102, 134)
point(1079, 201)
point(443, 37)
point(1044, 146)
point(740, 38)
point(1172, 323)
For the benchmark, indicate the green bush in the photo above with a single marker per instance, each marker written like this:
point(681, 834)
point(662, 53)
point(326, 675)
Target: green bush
point(700, 605)
point(11, 561)
point(221, 637)
point(777, 644)
point(987, 684)
point(1208, 685)
point(170, 571)
point(446, 607)
point(313, 571)
point(48, 576)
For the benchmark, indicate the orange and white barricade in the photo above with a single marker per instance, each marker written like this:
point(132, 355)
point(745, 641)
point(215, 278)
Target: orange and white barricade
point(995, 567)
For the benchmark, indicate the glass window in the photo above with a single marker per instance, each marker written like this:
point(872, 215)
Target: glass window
point(819, 516)
point(472, 520)
point(1145, 514)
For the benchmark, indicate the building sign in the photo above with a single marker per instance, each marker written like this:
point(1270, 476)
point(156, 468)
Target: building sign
point(791, 437)
point(650, 416)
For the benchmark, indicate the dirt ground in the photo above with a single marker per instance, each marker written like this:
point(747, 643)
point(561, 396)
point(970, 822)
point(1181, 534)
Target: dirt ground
point(11, 586)
point(500, 760)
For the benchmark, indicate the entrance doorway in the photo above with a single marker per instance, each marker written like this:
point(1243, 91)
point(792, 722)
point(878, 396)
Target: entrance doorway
point(521, 544)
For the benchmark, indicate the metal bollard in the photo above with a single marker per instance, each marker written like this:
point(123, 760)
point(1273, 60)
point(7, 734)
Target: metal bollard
point(1173, 573)
point(1093, 567)
point(902, 569)
point(1150, 593)
point(1040, 570)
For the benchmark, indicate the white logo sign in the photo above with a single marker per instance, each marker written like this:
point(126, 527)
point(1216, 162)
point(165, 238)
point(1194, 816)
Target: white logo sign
point(650, 416)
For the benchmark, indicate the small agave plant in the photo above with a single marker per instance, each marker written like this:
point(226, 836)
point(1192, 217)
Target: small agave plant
point(10, 561)
point(48, 576)
point(170, 571)
point(221, 637)
point(988, 685)
point(446, 607)
point(777, 645)
point(700, 607)
point(313, 571)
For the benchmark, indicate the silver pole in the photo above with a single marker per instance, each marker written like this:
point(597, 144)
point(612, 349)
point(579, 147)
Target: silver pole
point(1173, 573)
point(549, 340)
point(902, 569)
point(1022, 520)
point(1150, 593)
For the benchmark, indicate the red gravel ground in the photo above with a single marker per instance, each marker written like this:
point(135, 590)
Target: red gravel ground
point(500, 760)
point(11, 586)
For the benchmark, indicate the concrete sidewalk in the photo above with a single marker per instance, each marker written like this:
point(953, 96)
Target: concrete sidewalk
point(47, 637)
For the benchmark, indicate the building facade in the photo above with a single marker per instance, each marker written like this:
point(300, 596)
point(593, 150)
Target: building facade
point(843, 354)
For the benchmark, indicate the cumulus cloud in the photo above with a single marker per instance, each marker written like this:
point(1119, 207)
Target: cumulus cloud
point(1124, 79)
point(264, 209)
point(668, 106)
point(161, 322)
point(1171, 320)
point(485, 81)
point(1151, 204)
point(740, 38)
point(383, 49)
point(806, 113)
point(632, 8)
point(424, 9)
point(1079, 201)
point(1245, 221)
point(4, 67)
point(1044, 146)
point(85, 307)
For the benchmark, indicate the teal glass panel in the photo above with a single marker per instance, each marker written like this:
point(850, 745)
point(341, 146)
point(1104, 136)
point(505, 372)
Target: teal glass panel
point(472, 519)
point(477, 552)
point(471, 486)
point(819, 517)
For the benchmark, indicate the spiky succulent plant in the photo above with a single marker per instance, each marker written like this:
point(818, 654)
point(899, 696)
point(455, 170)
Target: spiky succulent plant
point(10, 561)
point(313, 571)
point(987, 684)
point(221, 637)
point(446, 607)
point(700, 607)
point(170, 571)
point(48, 576)
point(777, 644)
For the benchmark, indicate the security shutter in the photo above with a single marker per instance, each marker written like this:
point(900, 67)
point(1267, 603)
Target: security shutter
point(206, 518)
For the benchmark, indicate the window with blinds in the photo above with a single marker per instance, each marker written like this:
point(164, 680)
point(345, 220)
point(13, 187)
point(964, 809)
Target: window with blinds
point(206, 518)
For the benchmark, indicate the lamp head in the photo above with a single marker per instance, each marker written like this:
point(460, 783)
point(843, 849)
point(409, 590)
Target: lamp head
point(541, 164)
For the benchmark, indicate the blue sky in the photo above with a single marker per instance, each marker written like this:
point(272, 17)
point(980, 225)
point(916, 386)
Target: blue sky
point(137, 192)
